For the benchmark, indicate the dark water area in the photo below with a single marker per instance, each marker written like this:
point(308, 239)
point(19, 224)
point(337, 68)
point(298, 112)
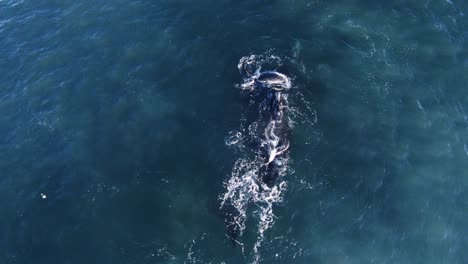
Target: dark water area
point(114, 116)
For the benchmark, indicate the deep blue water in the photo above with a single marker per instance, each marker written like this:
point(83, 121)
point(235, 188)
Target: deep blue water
point(114, 117)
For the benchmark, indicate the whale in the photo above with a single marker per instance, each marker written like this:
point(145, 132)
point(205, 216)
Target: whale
point(271, 136)
point(277, 130)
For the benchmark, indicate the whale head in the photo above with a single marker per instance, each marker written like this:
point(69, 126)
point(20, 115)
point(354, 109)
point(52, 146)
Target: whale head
point(273, 80)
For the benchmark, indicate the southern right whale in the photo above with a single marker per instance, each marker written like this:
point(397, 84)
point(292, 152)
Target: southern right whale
point(271, 137)
point(264, 140)
point(276, 132)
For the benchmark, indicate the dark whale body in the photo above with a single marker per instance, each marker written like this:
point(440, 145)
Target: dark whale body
point(278, 125)
point(273, 88)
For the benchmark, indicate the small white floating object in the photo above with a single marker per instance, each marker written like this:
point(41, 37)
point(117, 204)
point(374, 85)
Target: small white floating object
point(43, 196)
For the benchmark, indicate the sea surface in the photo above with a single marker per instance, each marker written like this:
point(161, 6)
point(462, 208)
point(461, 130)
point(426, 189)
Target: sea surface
point(119, 120)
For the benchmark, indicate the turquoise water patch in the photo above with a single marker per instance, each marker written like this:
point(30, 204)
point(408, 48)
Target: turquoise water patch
point(115, 117)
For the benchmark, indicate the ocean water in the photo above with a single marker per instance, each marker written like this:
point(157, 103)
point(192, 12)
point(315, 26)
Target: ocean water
point(117, 121)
